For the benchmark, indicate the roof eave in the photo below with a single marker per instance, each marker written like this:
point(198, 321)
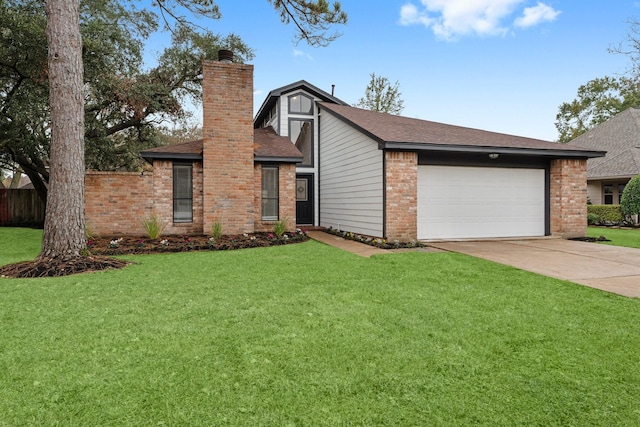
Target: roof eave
point(275, 159)
point(150, 157)
point(412, 146)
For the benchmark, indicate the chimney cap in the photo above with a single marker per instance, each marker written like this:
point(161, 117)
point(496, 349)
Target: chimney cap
point(225, 55)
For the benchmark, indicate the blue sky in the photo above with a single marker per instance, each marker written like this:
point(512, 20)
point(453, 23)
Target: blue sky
point(499, 65)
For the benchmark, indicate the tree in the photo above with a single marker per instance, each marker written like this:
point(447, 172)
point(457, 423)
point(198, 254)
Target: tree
point(64, 230)
point(597, 101)
point(381, 96)
point(604, 97)
point(630, 202)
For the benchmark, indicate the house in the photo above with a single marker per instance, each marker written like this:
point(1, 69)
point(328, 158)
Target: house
point(620, 138)
point(238, 176)
point(385, 175)
point(311, 159)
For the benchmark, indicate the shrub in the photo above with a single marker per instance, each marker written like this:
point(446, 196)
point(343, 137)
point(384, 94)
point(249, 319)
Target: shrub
point(630, 202)
point(592, 218)
point(153, 226)
point(607, 214)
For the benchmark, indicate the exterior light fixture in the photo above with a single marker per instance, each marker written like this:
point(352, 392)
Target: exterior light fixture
point(493, 156)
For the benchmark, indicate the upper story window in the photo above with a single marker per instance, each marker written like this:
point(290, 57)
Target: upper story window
point(300, 104)
point(301, 134)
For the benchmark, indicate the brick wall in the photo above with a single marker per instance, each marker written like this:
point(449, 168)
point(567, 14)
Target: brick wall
point(286, 197)
point(228, 173)
point(117, 202)
point(401, 210)
point(568, 197)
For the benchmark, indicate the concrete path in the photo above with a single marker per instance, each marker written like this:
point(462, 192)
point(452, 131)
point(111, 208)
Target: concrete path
point(609, 268)
point(347, 245)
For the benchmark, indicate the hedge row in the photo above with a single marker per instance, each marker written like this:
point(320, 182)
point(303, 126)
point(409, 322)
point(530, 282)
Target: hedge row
point(604, 214)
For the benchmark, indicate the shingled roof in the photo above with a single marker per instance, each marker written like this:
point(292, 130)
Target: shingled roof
point(620, 137)
point(267, 147)
point(403, 133)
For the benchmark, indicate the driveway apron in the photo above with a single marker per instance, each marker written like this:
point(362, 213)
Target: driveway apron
point(609, 268)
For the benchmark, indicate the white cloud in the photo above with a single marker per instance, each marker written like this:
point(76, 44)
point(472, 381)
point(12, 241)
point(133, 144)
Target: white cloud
point(297, 53)
point(537, 14)
point(451, 19)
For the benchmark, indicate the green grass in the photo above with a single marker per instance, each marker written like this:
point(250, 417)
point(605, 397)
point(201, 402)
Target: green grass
point(308, 335)
point(618, 236)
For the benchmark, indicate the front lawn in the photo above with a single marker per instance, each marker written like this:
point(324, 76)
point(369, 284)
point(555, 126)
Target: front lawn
point(617, 236)
point(308, 335)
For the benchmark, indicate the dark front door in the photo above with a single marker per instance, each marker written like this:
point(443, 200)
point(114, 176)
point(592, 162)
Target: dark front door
point(304, 199)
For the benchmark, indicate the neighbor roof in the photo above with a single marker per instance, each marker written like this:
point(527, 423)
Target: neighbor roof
point(620, 137)
point(403, 133)
point(267, 147)
point(273, 96)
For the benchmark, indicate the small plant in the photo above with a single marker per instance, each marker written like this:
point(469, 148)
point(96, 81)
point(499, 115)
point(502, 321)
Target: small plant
point(216, 230)
point(279, 228)
point(88, 232)
point(153, 226)
point(115, 243)
point(592, 218)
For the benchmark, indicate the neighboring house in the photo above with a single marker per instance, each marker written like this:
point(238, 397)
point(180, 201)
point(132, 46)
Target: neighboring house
point(311, 159)
point(620, 138)
point(385, 175)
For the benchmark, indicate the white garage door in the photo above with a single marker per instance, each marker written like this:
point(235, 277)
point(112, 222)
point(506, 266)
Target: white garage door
point(459, 202)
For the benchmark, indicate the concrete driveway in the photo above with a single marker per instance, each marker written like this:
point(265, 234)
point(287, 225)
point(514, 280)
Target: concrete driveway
point(610, 268)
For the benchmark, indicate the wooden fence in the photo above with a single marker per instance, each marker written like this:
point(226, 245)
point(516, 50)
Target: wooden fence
point(20, 207)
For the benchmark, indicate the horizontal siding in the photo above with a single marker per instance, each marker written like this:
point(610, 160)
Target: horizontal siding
point(351, 179)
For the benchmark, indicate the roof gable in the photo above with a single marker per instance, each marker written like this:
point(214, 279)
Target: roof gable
point(273, 96)
point(398, 132)
point(620, 137)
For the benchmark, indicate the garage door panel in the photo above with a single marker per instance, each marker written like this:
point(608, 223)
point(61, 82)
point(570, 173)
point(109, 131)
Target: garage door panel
point(476, 202)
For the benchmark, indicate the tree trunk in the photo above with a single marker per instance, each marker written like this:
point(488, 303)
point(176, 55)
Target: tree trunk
point(64, 227)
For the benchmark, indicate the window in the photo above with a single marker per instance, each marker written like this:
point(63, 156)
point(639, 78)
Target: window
point(301, 134)
point(607, 189)
point(620, 191)
point(269, 193)
point(182, 192)
point(300, 104)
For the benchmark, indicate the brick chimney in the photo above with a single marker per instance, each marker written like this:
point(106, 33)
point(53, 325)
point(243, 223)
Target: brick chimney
point(228, 185)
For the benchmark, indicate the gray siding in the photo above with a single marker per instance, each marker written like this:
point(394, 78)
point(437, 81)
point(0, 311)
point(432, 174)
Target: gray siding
point(351, 179)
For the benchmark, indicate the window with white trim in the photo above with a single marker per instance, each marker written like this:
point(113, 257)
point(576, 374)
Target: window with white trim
point(300, 104)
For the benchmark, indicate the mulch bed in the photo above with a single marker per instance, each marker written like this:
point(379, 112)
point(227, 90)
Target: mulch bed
point(102, 248)
point(60, 266)
point(591, 239)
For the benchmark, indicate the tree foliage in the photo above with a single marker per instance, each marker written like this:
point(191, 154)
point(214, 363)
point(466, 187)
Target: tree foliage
point(630, 201)
point(381, 95)
point(312, 19)
point(597, 101)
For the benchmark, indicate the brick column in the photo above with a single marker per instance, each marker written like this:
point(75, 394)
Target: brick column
point(401, 202)
point(568, 197)
point(228, 179)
